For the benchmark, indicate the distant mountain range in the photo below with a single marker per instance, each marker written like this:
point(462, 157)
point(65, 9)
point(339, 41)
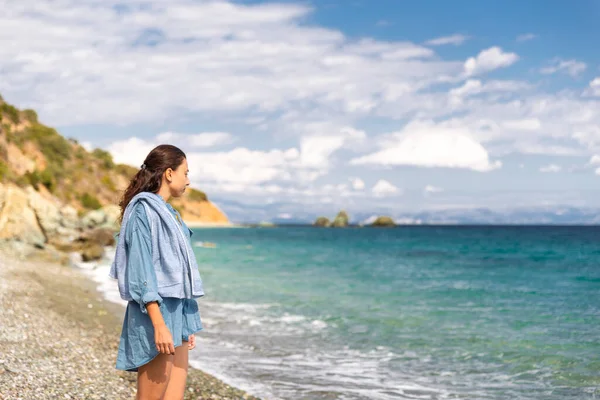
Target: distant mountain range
point(559, 215)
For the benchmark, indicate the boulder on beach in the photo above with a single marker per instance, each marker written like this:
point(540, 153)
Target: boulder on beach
point(322, 221)
point(92, 252)
point(18, 221)
point(383, 221)
point(105, 217)
point(341, 220)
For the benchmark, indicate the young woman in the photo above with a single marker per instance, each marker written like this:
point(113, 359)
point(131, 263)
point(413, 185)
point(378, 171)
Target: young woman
point(158, 275)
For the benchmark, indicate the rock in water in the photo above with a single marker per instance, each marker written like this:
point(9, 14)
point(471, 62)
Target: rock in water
point(341, 220)
point(322, 221)
point(384, 221)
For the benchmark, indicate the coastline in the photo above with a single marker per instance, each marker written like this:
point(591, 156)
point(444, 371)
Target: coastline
point(59, 338)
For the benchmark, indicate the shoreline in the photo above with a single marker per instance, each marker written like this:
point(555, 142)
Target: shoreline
point(59, 338)
point(199, 224)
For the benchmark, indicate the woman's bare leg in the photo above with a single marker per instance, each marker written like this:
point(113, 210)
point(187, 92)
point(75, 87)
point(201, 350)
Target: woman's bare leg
point(153, 377)
point(176, 386)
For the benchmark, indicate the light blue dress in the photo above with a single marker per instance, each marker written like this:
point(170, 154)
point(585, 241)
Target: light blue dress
point(181, 316)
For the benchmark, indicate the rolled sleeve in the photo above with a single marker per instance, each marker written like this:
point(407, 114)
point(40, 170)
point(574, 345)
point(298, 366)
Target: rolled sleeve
point(140, 269)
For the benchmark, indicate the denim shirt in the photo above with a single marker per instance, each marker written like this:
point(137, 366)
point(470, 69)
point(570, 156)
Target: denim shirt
point(140, 267)
point(175, 265)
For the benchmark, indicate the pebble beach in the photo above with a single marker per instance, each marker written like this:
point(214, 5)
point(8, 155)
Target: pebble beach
point(59, 339)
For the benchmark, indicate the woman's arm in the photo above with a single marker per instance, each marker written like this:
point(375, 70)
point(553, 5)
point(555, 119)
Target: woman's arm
point(162, 336)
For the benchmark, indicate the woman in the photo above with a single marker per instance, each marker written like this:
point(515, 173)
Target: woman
point(158, 275)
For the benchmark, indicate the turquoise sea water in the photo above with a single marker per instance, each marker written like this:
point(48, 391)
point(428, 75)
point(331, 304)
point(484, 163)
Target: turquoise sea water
point(412, 312)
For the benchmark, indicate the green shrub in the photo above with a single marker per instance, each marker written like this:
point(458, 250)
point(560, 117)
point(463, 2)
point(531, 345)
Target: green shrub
point(44, 177)
point(125, 170)
point(90, 201)
point(105, 157)
point(22, 181)
point(4, 171)
point(55, 148)
point(57, 171)
point(11, 112)
point(80, 153)
point(106, 181)
point(30, 115)
point(48, 179)
point(32, 177)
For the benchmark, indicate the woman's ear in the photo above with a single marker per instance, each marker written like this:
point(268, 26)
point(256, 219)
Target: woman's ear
point(169, 174)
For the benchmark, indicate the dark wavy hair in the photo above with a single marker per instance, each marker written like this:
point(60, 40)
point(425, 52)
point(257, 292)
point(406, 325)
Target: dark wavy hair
point(149, 177)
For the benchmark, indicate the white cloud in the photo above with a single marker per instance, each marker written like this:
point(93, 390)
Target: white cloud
point(425, 144)
point(132, 151)
point(239, 169)
point(239, 166)
point(526, 37)
point(87, 145)
point(551, 168)
point(594, 160)
point(358, 184)
point(473, 87)
point(455, 39)
point(570, 67)
point(384, 188)
point(429, 189)
point(594, 88)
point(527, 124)
point(206, 139)
point(166, 59)
point(316, 149)
point(488, 60)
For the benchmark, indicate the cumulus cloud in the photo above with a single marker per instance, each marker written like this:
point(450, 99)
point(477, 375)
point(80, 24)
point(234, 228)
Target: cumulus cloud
point(239, 168)
point(455, 39)
point(594, 88)
point(551, 168)
point(570, 67)
point(426, 144)
point(489, 60)
point(594, 160)
point(156, 60)
point(384, 188)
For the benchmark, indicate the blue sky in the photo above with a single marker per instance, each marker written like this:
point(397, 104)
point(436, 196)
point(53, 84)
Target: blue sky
point(387, 105)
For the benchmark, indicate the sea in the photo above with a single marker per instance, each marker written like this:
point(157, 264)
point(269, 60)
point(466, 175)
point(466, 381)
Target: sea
point(412, 312)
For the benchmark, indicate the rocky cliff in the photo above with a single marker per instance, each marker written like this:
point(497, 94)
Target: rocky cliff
point(48, 183)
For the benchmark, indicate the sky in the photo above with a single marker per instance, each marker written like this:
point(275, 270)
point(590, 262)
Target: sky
point(321, 105)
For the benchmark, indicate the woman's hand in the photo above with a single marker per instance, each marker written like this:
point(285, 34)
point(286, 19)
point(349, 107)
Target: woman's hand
point(163, 339)
point(191, 341)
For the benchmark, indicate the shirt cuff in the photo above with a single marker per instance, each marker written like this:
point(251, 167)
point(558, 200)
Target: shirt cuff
point(147, 297)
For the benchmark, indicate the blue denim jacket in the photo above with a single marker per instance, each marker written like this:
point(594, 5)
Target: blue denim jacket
point(174, 268)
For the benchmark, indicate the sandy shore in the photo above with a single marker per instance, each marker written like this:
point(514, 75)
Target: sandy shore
point(59, 339)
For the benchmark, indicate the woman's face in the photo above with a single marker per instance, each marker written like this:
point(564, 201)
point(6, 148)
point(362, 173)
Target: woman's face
point(179, 179)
